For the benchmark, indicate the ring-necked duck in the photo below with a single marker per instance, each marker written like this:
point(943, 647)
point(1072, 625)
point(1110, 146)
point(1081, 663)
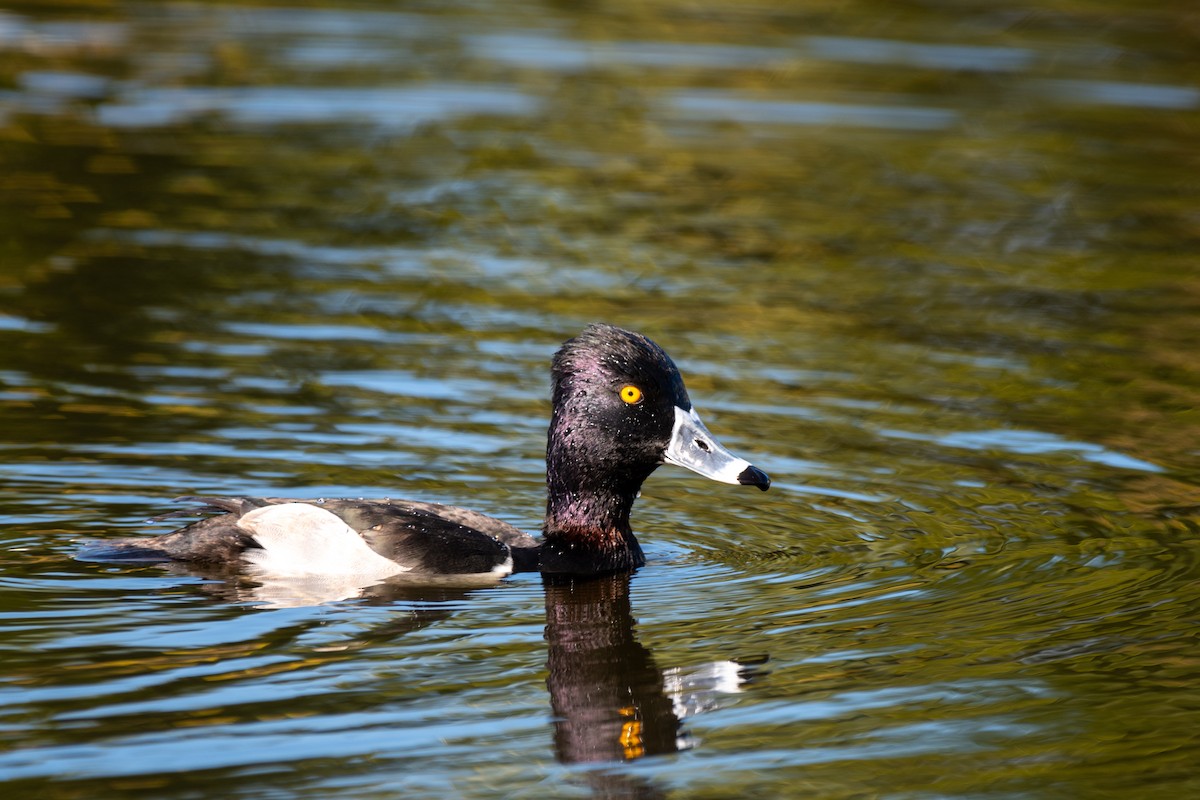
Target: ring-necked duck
point(619, 411)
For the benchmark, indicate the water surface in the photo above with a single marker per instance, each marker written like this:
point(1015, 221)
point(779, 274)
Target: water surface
point(931, 267)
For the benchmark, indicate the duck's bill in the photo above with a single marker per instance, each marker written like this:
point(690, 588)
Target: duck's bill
point(693, 447)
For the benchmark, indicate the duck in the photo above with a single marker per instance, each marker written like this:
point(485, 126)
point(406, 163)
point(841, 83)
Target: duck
point(619, 411)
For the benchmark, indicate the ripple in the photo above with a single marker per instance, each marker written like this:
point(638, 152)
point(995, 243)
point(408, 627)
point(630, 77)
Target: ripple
point(716, 105)
point(400, 108)
point(1116, 93)
point(1030, 442)
point(547, 51)
point(920, 54)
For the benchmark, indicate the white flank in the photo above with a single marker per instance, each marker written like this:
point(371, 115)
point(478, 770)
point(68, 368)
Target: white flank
point(309, 556)
point(302, 539)
point(502, 570)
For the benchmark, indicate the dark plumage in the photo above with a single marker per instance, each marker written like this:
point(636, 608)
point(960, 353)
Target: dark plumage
point(620, 410)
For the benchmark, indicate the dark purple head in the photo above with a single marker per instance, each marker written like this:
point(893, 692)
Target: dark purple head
point(620, 410)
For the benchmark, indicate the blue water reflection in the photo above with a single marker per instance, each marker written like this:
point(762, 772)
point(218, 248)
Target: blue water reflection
point(933, 266)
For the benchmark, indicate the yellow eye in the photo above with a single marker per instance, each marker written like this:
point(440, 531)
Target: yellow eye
point(631, 394)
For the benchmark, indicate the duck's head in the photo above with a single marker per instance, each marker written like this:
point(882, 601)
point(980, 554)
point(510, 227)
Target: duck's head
point(621, 410)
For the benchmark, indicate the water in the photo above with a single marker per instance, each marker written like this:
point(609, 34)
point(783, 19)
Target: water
point(932, 267)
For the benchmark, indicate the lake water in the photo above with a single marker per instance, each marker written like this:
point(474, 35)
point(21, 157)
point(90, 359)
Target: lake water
point(932, 266)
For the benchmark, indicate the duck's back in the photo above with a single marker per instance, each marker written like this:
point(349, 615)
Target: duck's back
point(376, 537)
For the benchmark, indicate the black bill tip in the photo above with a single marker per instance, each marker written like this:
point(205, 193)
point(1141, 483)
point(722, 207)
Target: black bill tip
point(753, 476)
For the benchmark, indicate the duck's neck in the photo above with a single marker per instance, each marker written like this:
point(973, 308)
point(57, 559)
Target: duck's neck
point(587, 514)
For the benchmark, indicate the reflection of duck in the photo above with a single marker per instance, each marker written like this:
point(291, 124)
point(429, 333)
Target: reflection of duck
point(611, 701)
point(619, 411)
point(606, 691)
